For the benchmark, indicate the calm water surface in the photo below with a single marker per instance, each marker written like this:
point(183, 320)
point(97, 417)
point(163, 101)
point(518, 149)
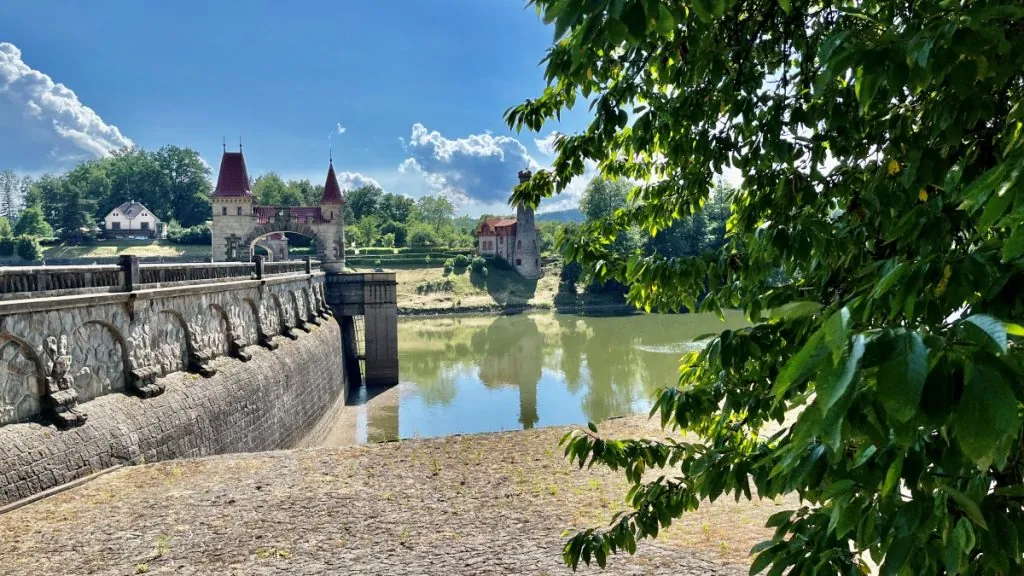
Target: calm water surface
point(471, 374)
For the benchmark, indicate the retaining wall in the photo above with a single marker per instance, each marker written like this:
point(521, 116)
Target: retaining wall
point(268, 403)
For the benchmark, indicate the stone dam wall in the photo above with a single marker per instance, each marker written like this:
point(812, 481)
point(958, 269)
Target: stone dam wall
point(269, 402)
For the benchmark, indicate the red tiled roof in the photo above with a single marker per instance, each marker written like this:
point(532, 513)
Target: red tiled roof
point(233, 179)
point(332, 192)
point(307, 214)
point(496, 223)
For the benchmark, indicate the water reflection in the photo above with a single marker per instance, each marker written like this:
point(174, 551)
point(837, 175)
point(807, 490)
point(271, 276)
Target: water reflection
point(478, 374)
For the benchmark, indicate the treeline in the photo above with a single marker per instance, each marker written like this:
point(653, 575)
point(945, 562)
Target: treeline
point(697, 234)
point(172, 182)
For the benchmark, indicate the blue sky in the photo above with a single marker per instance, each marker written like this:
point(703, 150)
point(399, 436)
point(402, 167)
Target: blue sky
point(409, 94)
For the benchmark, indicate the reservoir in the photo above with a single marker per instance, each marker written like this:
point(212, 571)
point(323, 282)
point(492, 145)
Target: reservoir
point(470, 374)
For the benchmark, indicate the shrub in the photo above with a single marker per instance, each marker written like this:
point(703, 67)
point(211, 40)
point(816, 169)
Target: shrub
point(462, 261)
point(7, 247)
point(28, 248)
point(198, 234)
point(450, 263)
point(478, 264)
point(484, 272)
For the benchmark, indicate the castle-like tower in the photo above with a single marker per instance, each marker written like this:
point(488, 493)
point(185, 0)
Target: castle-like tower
point(527, 249)
point(239, 221)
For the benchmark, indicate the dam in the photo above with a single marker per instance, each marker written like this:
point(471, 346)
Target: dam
point(128, 363)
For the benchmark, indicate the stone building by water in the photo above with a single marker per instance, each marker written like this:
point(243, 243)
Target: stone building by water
point(514, 240)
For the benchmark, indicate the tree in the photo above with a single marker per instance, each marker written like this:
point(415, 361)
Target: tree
point(188, 184)
point(5, 228)
point(270, 190)
point(435, 210)
point(367, 230)
point(881, 154)
point(27, 248)
point(396, 208)
point(32, 223)
point(364, 201)
point(10, 192)
point(602, 197)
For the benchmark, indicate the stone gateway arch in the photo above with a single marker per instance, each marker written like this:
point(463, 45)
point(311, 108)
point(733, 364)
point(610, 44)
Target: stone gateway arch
point(239, 221)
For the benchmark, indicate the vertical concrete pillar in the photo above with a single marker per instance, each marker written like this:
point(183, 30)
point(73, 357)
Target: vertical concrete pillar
point(380, 320)
point(129, 271)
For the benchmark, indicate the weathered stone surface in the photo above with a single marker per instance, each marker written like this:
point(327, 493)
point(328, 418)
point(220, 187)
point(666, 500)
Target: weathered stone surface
point(267, 403)
point(488, 504)
point(124, 342)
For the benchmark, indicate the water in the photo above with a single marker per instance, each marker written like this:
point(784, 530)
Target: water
point(467, 374)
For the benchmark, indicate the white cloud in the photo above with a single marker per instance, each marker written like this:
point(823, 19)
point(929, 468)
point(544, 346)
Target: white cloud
point(43, 125)
point(341, 129)
point(546, 145)
point(353, 180)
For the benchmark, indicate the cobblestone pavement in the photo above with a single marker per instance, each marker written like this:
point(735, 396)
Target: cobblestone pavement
point(471, 505)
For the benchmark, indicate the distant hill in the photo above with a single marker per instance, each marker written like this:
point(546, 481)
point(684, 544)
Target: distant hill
point(570, 215)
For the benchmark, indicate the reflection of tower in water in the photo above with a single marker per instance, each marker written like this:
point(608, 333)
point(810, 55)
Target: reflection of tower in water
point(514, 357)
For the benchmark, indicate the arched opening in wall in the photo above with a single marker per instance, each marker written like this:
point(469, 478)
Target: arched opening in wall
point(99, 359)
point(21, 381)
point(284, 245)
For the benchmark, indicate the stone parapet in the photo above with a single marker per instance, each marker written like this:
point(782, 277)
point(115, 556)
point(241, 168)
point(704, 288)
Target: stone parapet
point(267, 403)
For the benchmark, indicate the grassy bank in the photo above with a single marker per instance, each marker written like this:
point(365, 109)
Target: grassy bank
point(430, 290)
point(114, 248)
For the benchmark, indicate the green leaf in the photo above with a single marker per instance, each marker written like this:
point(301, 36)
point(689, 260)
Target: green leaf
point(986, 421)
point(666, 23)
point(896, 555)
point(779, 518)
point(786, 5)
point(797, 309)
point(635, 20)
point(1014, 246)
point(892, 476)
point(889, 279)
point(831, 384)
point(866, 85)
point(802, 364)
point(864, 454)
point(901, 378)
point(836, 331)
point(969, 506)
point(994, 208)
point(990, 327)
point(592, 427)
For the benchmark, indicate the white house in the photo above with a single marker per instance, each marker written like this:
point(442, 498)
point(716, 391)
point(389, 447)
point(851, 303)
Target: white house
point(132, 219)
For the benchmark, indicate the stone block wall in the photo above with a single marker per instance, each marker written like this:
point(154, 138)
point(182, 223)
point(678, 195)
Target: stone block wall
point(270, 402)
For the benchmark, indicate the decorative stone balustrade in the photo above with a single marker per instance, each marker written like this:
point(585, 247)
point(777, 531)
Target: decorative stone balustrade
point(31, 281)
point(71, 334)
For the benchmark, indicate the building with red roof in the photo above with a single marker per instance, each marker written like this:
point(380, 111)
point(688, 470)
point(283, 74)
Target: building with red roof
point(240, 222)
point(514, 240)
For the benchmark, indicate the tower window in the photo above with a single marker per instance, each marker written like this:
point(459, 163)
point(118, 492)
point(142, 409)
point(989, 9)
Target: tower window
point(224, 211)
point(519, 244)
point(519, 262)
point(239, 210)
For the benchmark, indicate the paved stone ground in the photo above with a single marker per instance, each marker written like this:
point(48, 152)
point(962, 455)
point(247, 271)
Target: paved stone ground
point(473, 505)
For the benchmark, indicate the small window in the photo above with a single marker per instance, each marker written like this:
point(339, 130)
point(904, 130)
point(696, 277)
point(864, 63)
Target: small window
point(519, 262)
point(519, 244)
point(239, 210)
point(224, 211)
point(115, 225)
point(144, 214)
point(145, 225)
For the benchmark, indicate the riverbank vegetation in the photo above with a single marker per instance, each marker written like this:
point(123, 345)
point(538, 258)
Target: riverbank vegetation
point(880, 219)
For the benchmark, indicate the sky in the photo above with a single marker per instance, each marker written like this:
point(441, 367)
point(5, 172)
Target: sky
point(407, 94)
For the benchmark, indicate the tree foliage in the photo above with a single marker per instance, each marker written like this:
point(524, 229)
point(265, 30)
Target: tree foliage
point(876, 243)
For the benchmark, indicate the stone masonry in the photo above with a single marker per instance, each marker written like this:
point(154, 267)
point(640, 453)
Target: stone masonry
point(267, 403)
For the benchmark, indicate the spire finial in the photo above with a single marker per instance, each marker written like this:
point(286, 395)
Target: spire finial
point(224, 143)
point(239, 143)
point(330, 154)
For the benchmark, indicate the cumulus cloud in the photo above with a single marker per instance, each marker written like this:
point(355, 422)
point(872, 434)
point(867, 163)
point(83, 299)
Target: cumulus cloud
point(353, 180)
point(43, 125)
point(546, 145)
point(478, 167)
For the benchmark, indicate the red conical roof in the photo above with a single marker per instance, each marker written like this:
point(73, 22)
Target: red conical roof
point(332, 192)
point(233, 179)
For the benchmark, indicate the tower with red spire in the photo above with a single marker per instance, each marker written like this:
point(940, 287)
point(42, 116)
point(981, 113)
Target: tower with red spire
point(233, 204)
point(332, 209)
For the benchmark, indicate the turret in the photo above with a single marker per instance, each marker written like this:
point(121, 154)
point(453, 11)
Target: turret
point(527, 250)
point(332, 210)
point(233, 204)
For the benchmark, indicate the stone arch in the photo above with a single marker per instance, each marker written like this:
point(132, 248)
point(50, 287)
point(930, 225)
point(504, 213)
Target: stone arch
point(177, 328)
point(287, 225)
point(287, 315)
point(223, 327)
point(99, 346)
point(20, 398)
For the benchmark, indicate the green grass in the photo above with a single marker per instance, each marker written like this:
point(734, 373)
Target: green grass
point(113, 248)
